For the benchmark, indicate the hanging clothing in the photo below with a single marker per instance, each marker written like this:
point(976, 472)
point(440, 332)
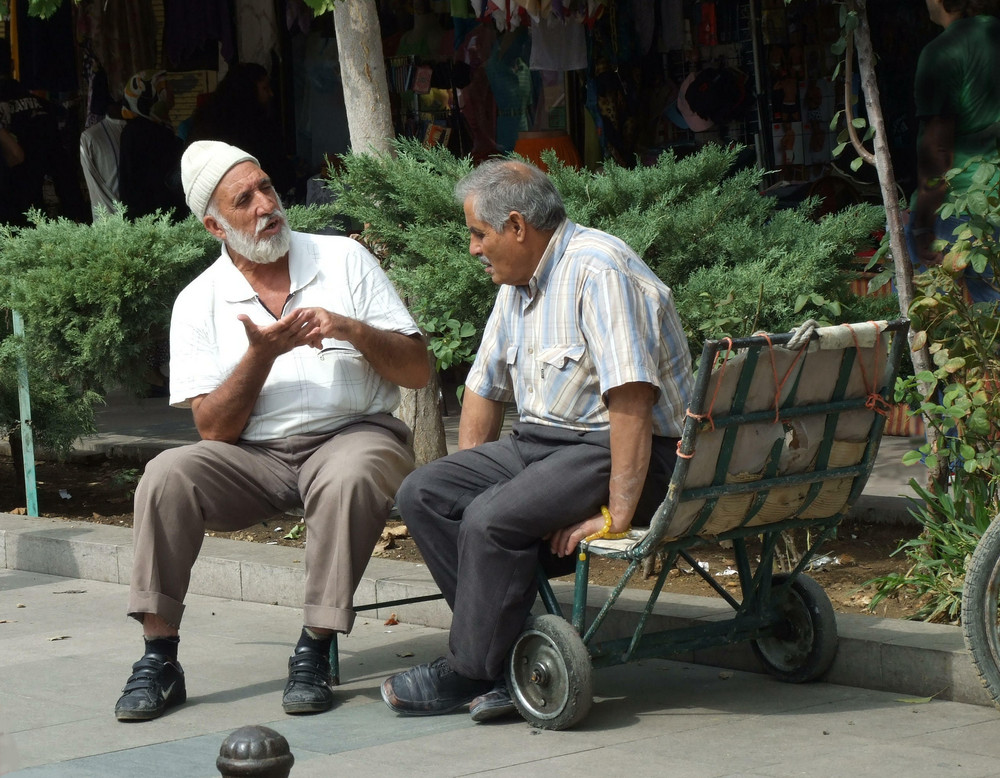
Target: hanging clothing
point(118, 35)
point(256, 30)
point(558, 45)
point(512, 86)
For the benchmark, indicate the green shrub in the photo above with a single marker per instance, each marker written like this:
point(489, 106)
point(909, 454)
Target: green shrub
point(94, 298)
point(960, 403)
point(736, 262)
point(952, 520)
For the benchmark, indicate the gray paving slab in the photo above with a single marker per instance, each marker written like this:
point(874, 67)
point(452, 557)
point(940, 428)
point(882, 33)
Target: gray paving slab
point(885, 654)
point(65, 653)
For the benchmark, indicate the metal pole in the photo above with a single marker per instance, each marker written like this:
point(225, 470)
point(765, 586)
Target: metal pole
point(27, 439)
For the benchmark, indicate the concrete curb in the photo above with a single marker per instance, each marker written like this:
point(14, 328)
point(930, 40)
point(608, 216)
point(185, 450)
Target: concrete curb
point(909, 658)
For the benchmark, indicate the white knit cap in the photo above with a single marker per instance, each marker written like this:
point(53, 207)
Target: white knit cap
point(203, 165)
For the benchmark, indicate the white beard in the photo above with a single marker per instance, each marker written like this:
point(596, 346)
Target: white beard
point(262, 251)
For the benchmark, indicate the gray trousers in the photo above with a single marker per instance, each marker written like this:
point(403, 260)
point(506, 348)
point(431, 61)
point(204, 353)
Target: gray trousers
point(478, 517)
point(345, 480)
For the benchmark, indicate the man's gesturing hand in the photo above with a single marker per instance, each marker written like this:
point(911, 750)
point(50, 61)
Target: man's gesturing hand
point(297, 328)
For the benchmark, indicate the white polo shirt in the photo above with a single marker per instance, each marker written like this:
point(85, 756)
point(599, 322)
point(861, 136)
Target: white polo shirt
point(307, 391)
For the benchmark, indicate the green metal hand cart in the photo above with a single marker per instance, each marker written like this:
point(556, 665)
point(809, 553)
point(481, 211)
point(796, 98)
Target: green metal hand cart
point(782, 433)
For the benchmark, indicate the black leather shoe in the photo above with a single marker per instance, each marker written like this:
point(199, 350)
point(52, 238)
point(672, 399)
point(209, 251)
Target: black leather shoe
point(426, 690)
point(310, 686)
point(156, 683)
point(494, 704)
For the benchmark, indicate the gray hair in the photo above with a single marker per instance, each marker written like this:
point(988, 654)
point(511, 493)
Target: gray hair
point(212, 209)
point(499, 186)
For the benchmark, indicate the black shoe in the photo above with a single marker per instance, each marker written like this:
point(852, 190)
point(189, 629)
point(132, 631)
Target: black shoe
point(310, 685)
point(426, 690)
point(494, 704)
point(156, 683)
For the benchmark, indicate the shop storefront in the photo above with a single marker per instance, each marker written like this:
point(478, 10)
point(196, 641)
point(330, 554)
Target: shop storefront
point(595, 80)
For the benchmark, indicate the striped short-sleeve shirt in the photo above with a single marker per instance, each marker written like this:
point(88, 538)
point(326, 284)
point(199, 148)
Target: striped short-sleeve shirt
point(593, 317)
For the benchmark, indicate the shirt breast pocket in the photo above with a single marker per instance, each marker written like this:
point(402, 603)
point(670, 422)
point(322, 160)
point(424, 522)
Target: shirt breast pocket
point(349, 378)
point(554, 360)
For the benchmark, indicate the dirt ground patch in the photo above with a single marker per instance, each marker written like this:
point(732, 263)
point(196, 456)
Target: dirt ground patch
point(99, 489)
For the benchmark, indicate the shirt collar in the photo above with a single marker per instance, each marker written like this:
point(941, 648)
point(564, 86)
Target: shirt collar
point(554, 252)
point(303, 267)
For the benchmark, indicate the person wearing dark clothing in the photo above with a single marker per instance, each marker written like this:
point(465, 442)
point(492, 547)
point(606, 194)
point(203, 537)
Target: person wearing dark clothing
point(587, 343)
point(149, 174)
point(34, 124)
point(12, 156)
point(239, 113)
point(957, 99)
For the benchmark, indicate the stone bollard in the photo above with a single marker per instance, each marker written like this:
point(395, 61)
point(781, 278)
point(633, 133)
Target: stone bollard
point(255, 752)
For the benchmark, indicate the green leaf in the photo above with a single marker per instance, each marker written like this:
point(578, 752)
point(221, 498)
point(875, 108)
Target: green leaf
point(856, 164)
point(979, 422)
point(978, 205)
point(984, 173)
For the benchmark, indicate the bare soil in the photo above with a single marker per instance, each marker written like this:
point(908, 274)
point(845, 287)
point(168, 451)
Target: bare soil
point(98, 489)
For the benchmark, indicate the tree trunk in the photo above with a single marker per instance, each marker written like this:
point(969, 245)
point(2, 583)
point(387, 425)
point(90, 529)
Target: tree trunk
point(422, 411)
point(362, 71)
point(886, 175)
point(369, 119)
point(887, 180)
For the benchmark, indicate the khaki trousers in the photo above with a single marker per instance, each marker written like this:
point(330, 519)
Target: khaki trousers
point(346, 481)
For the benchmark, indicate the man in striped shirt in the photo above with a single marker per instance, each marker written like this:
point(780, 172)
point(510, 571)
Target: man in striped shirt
point(585, 340)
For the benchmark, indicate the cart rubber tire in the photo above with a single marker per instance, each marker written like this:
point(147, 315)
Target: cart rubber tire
point(549, 674)
point(979, 610)
point(804, 645)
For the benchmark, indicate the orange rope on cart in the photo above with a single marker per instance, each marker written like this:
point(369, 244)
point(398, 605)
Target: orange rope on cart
point(780, 385)
point(711, 404)
point(875, 402)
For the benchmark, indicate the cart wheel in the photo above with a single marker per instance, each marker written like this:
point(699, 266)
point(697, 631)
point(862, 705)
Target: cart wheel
point(804, 642)
point(979, 610)
point(549, 674)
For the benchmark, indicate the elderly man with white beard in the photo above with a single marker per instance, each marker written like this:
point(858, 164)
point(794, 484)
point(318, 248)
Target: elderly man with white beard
point(289, 350)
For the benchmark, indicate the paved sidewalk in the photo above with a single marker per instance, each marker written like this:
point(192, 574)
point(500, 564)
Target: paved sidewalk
point(66, 654)
point(66, 651)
